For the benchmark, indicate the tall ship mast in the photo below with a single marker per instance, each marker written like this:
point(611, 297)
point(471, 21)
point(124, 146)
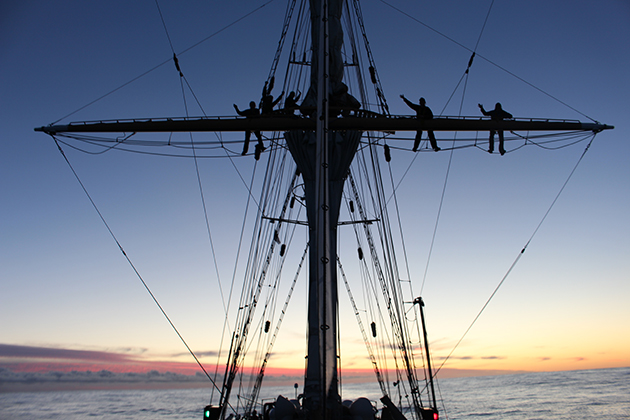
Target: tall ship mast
point(314, 144)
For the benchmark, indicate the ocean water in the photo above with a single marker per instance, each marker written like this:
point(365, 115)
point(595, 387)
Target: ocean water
point(587, 394)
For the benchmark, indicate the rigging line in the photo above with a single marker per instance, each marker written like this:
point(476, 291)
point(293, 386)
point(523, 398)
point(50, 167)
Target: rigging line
point(561, 190)
point(164, 24)
point(131, 263)
point(483, 27)
point(470, 62)
point(400, 228)
point(488, 60)
point(396, 315)
point(121, 145)
point(556, 148)
point(272, 297)
point(132, 151)
point(176, 61)
point(520, 254)
point(226, 27)
point(448, 171)
point(182, 79)
point(402, 177)
point(207, 220)
point(451, 149)
point(247, 187)
point(378, 274)
point(250, 295)
point(164, 62)
point(112, 91)
point(410, 285)
point(256, 391)
point(285, 28)
point(184, 145)
point(238, 253)
point(370, 351)
point(453, 93)
point(197, 168)
point(425, 25)
point(536, 87)
point(196, 99)
point(94, 143)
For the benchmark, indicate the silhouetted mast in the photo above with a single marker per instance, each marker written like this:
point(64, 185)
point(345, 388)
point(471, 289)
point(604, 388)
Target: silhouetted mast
point(323, 145)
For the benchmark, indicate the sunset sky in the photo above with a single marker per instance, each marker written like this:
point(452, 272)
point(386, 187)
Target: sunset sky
point(70, 301)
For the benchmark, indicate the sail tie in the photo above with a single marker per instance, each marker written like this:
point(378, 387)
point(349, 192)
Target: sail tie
point(176, 61)
point(470, 62)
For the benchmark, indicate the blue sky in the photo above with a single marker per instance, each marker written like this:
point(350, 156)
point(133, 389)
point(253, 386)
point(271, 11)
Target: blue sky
point(65, 284)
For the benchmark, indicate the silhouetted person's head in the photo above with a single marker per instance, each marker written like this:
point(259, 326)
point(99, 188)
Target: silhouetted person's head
point(291, 95)
point(252, 105)
point(422, 101)
point(498, 106)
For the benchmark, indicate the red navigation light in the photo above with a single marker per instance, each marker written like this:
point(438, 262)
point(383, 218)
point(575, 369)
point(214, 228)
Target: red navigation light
point(429, 413)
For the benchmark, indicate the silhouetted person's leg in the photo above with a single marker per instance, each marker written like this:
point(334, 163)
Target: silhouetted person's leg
point(433, 141)
point(416, 143)
point(260, 140)
point(501, 149)
point(246, 144)
point(491, 141)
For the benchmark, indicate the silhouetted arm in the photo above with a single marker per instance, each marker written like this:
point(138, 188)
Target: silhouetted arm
point(409, 103)
point(277, 100)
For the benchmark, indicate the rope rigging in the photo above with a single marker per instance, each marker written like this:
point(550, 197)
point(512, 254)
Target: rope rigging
point(133, 267)
point(522, 251)
point(260, 263)
point(450, 157)
point(276, 222)
point(167, 60)
point(486, 59)
point(172, 145)
point(183, 79)
point(386, 274)
point(259, 377)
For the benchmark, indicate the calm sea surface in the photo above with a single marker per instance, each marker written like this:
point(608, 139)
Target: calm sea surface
point(587, 394)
